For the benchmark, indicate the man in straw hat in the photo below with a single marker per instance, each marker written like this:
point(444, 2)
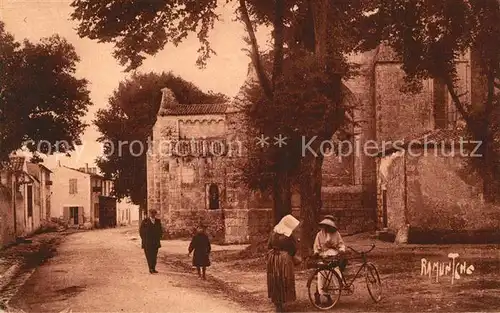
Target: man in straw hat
point(328, 243)
point(151, 232)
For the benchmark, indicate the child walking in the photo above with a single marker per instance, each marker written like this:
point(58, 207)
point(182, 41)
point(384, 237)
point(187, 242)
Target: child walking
point(200, 244)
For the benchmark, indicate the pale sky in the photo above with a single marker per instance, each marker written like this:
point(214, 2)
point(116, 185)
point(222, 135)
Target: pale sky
point(226, 72)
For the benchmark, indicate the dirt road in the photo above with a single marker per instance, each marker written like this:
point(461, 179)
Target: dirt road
point(105, 271)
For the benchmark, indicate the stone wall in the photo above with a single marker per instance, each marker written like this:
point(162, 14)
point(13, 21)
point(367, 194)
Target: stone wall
point(261, 222)
point(237, 226)
point(400, 115)
point(201, 126)
point(440, 196)
point(364, 87)
point(7, 235)
point(182, 223)
point(395, 192)
point(444, 193)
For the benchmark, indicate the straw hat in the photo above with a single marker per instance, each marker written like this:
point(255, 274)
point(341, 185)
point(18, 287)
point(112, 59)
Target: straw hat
point(328, 222)
point(331, 217)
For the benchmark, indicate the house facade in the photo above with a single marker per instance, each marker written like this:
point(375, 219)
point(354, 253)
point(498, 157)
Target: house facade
point(25, 198)
point(38, 195)
point(83, 197)
point(192, 175)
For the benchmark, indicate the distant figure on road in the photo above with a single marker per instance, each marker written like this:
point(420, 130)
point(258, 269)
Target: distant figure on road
point(280, 262)
point(151, 232)
point(200, 244)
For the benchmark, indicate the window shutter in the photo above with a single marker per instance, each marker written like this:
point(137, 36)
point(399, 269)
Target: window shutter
point(66, 213)
point(80, 215)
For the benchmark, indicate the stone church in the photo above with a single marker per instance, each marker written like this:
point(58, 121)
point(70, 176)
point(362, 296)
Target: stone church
point(191, 173)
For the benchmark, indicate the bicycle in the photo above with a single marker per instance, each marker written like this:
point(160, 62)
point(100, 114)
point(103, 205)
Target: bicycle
point(332, 276)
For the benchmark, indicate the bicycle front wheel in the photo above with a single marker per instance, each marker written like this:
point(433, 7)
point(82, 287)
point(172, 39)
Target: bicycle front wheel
point(324, 287)
point(373, 282)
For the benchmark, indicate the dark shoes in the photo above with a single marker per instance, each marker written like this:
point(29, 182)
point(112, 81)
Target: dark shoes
point(317, 299)
point(153, 271)
point(329, 300)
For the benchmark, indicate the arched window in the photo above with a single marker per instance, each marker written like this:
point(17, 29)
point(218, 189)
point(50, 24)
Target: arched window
point(213, 197)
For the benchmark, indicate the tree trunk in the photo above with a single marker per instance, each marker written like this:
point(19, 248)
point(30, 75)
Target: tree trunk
point(310, 200)
point(279, 38)
point(281, 189)
point(491, 188)
point(311, 165)
point(282, 196)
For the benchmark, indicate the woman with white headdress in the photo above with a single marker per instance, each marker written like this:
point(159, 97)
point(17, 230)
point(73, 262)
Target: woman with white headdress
point(280, 264)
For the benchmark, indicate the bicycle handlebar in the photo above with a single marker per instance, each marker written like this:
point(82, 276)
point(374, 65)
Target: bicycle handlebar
point(362, 252)
point(311, 257)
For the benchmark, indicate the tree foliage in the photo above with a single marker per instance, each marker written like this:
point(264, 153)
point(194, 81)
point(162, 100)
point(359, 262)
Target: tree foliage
point(145, 27)
point(324, 29)
point(126, 125)
point(42, 103)
point(300, 109)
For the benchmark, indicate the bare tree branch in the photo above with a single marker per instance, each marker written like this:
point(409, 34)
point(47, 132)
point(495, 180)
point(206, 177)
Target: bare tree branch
point(263, 79)
point(279, 38)
point(456, 99)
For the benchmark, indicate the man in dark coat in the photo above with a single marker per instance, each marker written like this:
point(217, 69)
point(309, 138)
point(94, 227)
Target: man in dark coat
point(151, 232)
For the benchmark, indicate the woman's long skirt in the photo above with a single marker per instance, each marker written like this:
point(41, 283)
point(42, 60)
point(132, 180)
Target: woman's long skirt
point(280, 277)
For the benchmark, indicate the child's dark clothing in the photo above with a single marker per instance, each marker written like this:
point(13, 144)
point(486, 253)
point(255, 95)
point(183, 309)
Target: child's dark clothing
point(201, 246)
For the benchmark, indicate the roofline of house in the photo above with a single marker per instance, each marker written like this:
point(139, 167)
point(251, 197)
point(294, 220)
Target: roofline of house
point(45, 167)
point(90, 174)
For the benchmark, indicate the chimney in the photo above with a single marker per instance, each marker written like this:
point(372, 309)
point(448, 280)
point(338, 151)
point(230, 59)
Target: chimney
point(167, 101)
point(87, 168)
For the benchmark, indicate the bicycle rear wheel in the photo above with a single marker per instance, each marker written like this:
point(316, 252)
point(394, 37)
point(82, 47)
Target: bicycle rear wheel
point(332, 287)
point(373, 282)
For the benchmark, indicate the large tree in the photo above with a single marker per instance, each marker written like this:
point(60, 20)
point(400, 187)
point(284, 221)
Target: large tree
point(322, 27)
point(429, 37)
point(42, 103)
point(303, 96)
point(127, 122)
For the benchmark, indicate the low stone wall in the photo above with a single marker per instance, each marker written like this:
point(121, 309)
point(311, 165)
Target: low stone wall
point(7, 235)
point(238, 226)
point(352, 221)
point(182, 223)
point(261, 222)
point(236, 230)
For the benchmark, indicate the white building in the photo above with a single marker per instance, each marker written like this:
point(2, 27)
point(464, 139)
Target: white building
point(82, 197)
point(127, 212)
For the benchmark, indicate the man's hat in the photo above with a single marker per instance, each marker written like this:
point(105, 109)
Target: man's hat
point(330, 217)
point(328, 222)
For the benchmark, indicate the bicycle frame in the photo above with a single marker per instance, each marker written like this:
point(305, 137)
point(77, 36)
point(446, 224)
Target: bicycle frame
point(329, 272)
point(363, 265)
point(329, 269)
